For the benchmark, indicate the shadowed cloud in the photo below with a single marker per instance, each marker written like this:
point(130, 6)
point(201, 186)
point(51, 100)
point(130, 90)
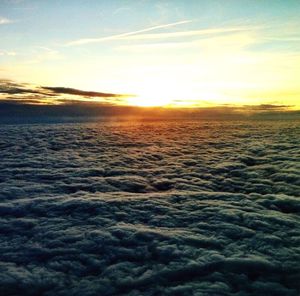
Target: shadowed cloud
point(77, 92)
point(23, 94)
point(266, 107)
point(143, 208)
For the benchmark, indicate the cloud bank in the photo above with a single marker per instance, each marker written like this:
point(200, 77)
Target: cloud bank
point(24, 94)
point(21, 102)
point(10, 87)
point(143, 208)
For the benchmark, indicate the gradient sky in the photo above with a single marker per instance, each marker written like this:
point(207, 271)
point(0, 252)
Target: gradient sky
point(183, 53)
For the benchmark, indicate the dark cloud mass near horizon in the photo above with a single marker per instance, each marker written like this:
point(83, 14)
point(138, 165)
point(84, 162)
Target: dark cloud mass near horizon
point(150, 208)
point(25, 103)
point(24, 98)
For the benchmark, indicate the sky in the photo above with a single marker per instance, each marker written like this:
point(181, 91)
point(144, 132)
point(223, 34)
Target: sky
point(167, 53)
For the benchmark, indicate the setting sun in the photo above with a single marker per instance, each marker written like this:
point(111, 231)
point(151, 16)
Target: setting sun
point(170, 61)
point(152, 93)
point(147, 101)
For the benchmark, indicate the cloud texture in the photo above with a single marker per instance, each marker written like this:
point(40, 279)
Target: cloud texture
point(164, 208)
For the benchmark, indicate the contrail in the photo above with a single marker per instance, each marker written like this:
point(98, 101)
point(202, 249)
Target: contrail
point(113, 37)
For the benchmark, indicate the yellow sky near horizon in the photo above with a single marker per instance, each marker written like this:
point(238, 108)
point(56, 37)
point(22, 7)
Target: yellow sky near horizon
point(186, 62)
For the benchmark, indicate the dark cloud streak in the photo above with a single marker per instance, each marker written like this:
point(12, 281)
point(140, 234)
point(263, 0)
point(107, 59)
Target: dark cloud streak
point(77, 92)
point(26, 94)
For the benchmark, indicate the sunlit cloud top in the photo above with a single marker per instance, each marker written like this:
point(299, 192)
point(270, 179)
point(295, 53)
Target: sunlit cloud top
point(171, 53)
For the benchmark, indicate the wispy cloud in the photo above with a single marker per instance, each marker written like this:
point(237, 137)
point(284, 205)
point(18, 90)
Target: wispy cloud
point(121, 10)
point(120, 36)
point(215, 41)
point(44, 54)
point(189, 33)
point(4, 21)
point(7, 53)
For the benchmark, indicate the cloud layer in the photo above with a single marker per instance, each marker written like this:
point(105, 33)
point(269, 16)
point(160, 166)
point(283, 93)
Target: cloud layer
point(143, 208)
point(22, 102)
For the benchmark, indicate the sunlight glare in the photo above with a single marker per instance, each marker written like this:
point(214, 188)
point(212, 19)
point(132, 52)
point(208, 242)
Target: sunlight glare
point(152, 94)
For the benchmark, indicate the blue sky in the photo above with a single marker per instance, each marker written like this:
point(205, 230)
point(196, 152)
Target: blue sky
point(189, 52)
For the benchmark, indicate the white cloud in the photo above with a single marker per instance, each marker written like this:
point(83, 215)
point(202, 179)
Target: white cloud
point(44, 54)
point(120, 36)
point(189, 33)
point(4, 20)
point(7, 53)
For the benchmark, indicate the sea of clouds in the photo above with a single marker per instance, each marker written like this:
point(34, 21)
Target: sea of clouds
point(150, 208)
